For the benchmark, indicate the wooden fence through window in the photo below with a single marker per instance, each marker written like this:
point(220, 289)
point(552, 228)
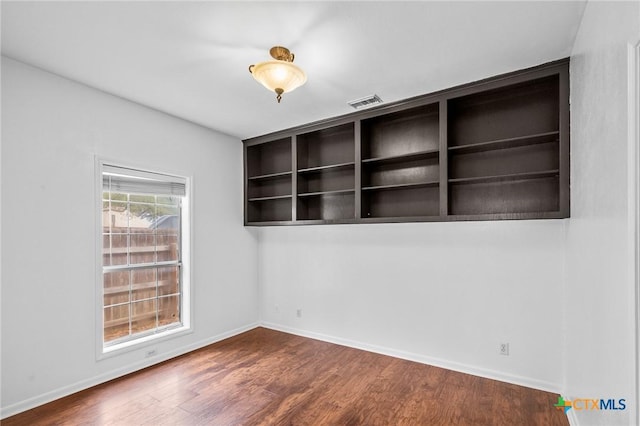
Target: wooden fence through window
point(140, 300)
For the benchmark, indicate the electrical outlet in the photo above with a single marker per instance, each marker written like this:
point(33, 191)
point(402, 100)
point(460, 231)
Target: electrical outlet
point(504, 349)
point(299, 313)
point(151, 353)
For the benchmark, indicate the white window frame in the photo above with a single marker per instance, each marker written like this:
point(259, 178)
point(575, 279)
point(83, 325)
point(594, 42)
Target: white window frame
point(103, 351)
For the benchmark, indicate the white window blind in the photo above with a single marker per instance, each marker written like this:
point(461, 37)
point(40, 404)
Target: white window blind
point(118, 179)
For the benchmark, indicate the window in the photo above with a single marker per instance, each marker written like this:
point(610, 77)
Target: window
point(143, 276)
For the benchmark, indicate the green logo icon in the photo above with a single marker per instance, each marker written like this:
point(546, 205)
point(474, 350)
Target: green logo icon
point(562, 404)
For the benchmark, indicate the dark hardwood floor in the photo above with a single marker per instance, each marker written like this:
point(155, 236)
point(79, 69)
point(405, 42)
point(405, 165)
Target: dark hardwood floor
point(265, 377)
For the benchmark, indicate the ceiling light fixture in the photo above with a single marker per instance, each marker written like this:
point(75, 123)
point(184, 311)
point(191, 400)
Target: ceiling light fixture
point(281, 75)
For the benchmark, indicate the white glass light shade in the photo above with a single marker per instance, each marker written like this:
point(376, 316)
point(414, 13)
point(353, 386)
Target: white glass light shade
point(276, 75)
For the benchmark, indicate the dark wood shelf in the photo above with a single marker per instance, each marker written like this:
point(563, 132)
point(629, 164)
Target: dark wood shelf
point(508, 177)
point(275, 197)
point(506, 143)
point(401, 219)
point(402, 186)
point(270, 223)
point(497, 149)
point(315, 194)
point(341, 221)
point(270, 176)
point(505, 216)
point(402, 157)
point(329, 167)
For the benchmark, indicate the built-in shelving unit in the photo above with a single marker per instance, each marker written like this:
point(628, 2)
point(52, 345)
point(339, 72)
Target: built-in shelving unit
point(495, 149)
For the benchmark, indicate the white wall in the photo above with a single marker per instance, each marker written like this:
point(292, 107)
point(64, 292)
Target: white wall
point(600, 293)
point(51, 130)
point(442, 293)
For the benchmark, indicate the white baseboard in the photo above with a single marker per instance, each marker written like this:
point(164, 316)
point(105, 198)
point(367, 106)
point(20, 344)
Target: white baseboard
point(114, 374)
point(423, 359)
point(573, 419)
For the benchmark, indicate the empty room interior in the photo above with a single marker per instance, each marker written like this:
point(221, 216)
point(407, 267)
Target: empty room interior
point(320, 213)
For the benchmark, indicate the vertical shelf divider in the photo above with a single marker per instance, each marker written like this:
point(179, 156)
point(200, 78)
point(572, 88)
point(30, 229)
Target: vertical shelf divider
point(294, 178)
point(245, 185)
point(564, 144)
point(358, 169)
point(444, 159)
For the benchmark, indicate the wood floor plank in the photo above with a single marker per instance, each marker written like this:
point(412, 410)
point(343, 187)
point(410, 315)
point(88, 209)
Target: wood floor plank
point(265, 377)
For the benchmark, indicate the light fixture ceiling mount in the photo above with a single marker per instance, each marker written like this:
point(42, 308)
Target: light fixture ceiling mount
point(279, 75)
point(281, 53)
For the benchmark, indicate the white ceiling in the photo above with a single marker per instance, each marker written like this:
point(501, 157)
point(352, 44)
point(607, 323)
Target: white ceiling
point(191, 59)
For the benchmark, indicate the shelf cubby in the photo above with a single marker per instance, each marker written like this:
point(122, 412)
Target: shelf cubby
point(518, 159)
point(397, 173)
point(407, 132)
point(535, 194)
point(269, 210)
point(326, 206)
point(513, 111)
point(267, 159)
point(326, 174)
point(328, 179)
point(327, 147)
point(274, 185)
point(419, 200)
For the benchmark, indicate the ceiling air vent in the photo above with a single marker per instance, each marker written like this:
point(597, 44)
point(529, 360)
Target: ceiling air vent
point(365, 102)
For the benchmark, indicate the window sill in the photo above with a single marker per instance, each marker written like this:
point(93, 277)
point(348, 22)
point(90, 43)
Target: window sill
point(142, 342)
